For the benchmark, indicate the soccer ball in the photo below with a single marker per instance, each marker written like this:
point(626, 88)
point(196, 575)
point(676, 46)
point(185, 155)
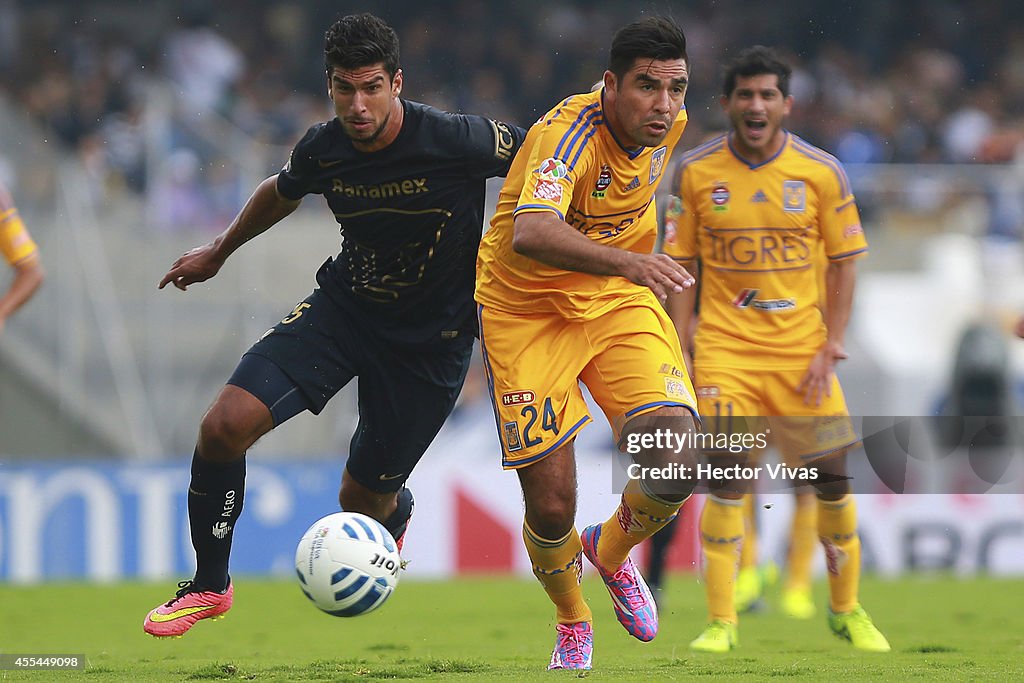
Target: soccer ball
point(347, 564)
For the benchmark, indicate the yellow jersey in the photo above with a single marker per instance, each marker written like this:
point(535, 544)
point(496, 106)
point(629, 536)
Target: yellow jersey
point(572, 165)
point(16, 244)
point(760, 231)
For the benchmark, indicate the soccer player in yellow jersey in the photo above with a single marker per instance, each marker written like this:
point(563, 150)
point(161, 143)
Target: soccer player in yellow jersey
point(568, 291)
point(754, 206)
point(22, 254)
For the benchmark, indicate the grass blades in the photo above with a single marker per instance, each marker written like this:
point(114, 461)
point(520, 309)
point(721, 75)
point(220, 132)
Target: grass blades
point(489, 629)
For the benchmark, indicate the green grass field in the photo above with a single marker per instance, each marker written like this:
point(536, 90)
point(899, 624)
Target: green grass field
point(500, 629)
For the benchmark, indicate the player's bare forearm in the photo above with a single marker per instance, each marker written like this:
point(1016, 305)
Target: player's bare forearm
point(261, 211)
point(264, 209)
point(840, 282)
point(546, 238)
point(28, 276)
point(840, 278)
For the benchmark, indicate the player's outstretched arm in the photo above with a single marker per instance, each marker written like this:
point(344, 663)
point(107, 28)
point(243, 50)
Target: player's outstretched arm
point(261, 212)
point(548, 239)
point(28, 276)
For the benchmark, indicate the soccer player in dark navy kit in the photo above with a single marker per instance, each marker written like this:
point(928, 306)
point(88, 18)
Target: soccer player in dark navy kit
point(395, 308)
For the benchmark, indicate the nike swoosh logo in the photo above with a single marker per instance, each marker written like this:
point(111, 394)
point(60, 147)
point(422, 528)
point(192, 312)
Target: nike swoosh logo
point(178, 613)
point(385, 477)
point(328, 164)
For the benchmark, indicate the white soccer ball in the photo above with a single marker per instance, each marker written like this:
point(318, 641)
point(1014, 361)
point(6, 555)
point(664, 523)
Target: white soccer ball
point(347, 564)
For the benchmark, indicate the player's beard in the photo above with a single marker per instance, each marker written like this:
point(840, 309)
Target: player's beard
point(372, 137)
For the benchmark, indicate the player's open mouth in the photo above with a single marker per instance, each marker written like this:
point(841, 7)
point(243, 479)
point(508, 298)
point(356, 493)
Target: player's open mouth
point(755, 129)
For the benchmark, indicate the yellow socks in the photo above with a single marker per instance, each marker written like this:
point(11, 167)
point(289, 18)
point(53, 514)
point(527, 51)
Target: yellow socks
point(837, 528)
point(639, 515)
point(803, 536)
point(721, 535)
point(748, 550)
point(558, 565)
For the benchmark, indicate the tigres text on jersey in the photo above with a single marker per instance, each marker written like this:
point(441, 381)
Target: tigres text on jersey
point(759, 231)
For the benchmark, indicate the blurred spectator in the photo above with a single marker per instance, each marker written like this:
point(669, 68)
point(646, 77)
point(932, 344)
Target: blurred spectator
point(203, 63)
point(917, 86)
point(178, 200)
point(970, 125)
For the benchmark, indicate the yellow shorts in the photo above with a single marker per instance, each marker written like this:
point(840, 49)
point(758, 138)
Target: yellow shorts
point(734, 400)
point(629, 358)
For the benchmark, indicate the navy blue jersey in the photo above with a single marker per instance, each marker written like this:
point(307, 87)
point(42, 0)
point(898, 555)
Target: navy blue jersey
point(411, 216)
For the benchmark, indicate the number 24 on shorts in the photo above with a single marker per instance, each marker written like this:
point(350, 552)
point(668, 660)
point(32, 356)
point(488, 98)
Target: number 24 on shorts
point(531, 437)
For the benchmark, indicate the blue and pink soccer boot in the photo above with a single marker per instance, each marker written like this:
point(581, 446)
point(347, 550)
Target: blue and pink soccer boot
point(634, 604)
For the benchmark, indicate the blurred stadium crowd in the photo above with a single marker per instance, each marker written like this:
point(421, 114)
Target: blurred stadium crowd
point(920, 81)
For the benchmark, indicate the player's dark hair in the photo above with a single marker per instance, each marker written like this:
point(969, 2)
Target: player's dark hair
point(756, 61)
point(360, 40)
point(652, 38)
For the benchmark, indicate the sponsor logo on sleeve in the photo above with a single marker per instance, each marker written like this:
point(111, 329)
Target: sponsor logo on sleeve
point(504, 141)
point(548, 190)
point(552, 169)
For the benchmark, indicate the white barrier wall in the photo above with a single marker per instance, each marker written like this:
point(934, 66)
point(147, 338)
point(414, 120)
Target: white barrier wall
point(104, 522)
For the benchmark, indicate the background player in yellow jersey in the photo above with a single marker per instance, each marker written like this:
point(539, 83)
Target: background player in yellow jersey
point(22, 254)
point(754, 576)
point(755, 206)
point(568, 291)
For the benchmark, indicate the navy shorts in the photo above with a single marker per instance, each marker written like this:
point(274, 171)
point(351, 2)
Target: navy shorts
point(405, 394)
